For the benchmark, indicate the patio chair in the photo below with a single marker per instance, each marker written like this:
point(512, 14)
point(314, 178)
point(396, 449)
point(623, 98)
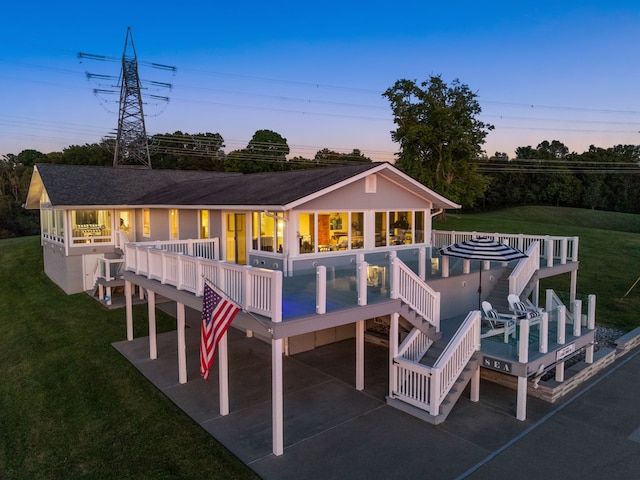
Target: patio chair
point(497, 323)
point(523, 309)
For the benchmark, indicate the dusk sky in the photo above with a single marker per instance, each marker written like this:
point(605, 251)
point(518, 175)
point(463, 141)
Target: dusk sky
point(315, 72)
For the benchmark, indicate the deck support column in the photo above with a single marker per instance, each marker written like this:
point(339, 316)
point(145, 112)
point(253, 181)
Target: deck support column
point(223, 374)
point(474, 394)
point(360, 354)
point(151, 307)
point(129, 309)
point(182, 345)
point(523, 357)
point(277, 396)
point(521, 411)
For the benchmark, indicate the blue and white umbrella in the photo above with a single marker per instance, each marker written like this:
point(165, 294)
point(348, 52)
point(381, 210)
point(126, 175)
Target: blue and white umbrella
point(485, 249)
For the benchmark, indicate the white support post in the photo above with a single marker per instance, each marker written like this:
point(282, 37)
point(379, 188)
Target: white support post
point(560, 372)
point(445, 266)
point(141, 293)
point(544, 332)
point(562, 324)
point(521, 409)
point(129, 309)
point(548, 304)
point(223, 375)
point(151, 308)
point(393, 350)
point(563, 251)
point(422, 263)
point(577, 318)
point(591, 312)
point(574, 286)
point(361, 281)
point(550, 252)
point(321, 289)
point(360, 354)
point(466, 266)
point(474, 394)
point(523, 357)
point(523, 344)
point(277, 396)
point(182, 346)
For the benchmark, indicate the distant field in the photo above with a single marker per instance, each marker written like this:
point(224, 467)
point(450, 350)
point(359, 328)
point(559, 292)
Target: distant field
point(609, 252)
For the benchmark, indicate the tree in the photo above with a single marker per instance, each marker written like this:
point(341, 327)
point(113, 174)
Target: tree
point(440, 136)
point(266, 152)
point(184, 151)
point(326, 156)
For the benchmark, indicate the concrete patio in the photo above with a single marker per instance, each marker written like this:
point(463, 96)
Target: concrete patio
point(333, 431)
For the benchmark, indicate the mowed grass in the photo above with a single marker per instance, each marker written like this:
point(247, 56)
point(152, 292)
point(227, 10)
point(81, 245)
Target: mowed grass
point(609, 252)
point(70, 405)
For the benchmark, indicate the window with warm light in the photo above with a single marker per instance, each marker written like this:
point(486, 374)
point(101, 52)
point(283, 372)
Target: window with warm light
point(173, 224)
point(91, 226)
point(268, 231)
point(204, 223)
point(146, 222)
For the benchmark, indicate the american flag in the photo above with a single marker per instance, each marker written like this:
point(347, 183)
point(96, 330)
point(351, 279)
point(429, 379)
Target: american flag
point(217, 315)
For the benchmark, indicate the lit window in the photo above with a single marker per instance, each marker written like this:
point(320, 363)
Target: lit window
point(173, 224)
point(146, 222)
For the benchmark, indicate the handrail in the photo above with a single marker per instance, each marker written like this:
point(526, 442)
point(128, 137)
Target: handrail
point(455, 357)
point(552, 248)
point(408, 287)
point(414, 346)
point(521, 275)
point(255, 290)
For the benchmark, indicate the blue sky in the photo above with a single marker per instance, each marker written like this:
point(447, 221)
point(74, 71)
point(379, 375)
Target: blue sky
point(315, 72)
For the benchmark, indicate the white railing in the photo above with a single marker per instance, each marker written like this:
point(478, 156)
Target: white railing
point(426, 387)
point(109, 268)
point(552, 248)
point(414, 346)
point(256, 290)
point(455, 357)
point(408, 287)
point(521, 275)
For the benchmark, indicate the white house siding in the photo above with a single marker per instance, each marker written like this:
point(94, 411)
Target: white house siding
point(66, 272)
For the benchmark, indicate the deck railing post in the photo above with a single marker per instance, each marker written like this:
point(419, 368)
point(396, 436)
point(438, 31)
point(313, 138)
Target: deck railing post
point(434, 407)
point(321, 289)
point(591, 312)
point(544, 332)
point(577, 318)
point(361, 280)
point(276, 298)
point(562, 321)
point(549, 251)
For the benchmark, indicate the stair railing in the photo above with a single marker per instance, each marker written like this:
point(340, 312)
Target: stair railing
point(426, 387)
point(526, 268)
point(412, 290)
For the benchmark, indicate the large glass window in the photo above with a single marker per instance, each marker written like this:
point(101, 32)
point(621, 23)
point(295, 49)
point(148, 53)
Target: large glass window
point(268, 231)
point(91, 226)
point(306, 233)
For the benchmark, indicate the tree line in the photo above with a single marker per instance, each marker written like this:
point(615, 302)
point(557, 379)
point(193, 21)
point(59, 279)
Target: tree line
point(440, 140)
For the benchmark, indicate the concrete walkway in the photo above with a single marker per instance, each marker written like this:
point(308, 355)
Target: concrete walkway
point(332, 431)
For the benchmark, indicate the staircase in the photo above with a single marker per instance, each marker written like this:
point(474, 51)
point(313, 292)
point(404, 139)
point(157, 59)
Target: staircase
point(419, 322)
point(430, 375)
point(498, 295)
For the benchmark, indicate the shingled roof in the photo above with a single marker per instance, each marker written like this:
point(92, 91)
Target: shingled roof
point(83, 185)
point(75, 185)
point(273, 188)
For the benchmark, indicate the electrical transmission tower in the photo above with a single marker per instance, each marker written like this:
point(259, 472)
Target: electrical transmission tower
point(132, 146)
point(131, 142)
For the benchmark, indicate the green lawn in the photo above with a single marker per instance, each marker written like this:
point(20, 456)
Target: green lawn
point(609, 252)
point(70, 405)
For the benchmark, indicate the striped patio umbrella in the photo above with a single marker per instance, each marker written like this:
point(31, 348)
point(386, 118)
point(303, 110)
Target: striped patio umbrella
point(485, 249)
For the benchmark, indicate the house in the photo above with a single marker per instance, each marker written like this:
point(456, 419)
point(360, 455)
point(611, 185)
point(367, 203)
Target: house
point(312, 257)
